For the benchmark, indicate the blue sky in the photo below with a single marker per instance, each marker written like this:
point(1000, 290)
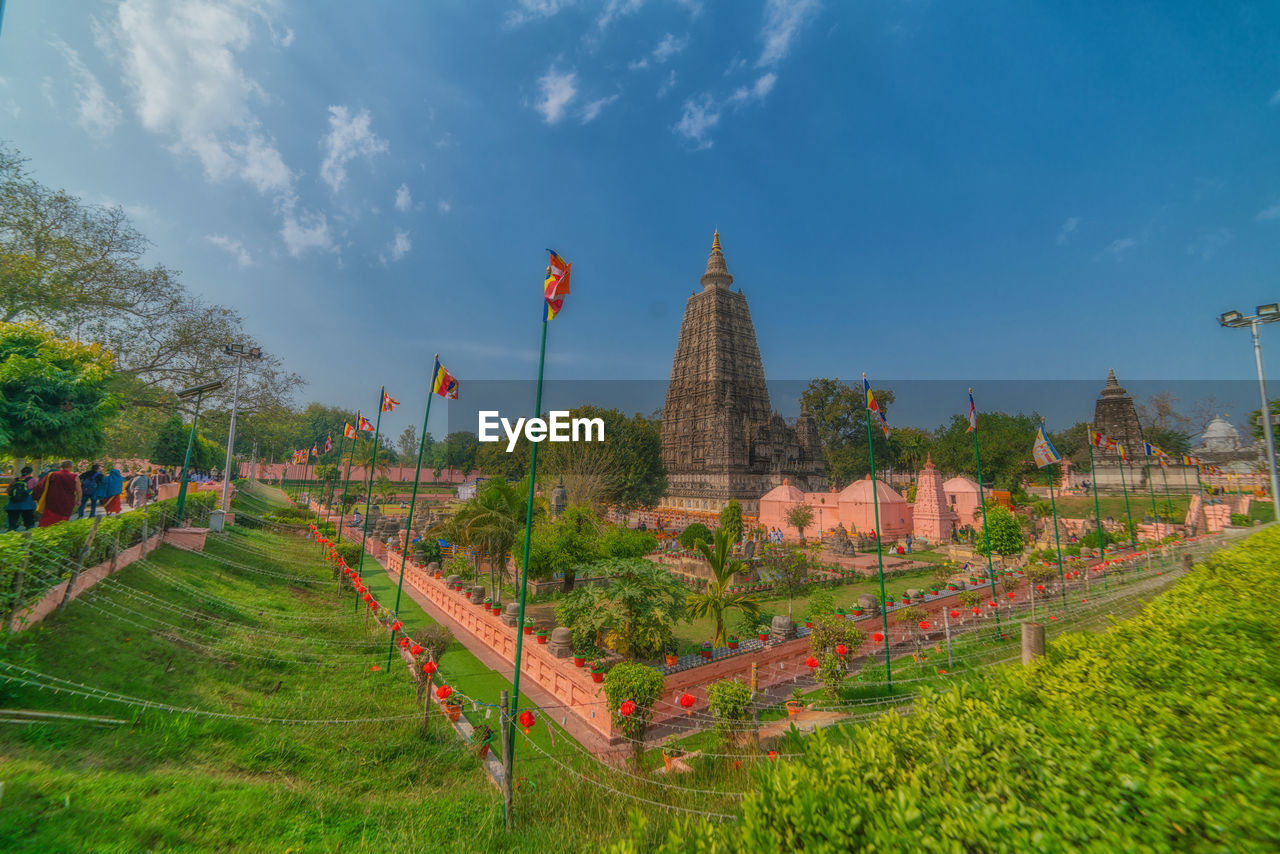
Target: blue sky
point(915, 189)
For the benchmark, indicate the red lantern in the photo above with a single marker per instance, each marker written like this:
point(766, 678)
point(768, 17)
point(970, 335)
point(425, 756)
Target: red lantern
point(526, 720)
point(686, 700)
point(627, 709)
point(924, 625)
point(811, 661)
point(991, 604)
point(878, 637)
point(430, 667)
point(1039, 588)
point(976, 610)
point(773, 756)
point(443, 692)
point(396, 626)
point(368, 597)
point(954, 613)
point(404, 642)
point(1010, 594)
point(941, 672)
point(841, 649)
point(416, 649)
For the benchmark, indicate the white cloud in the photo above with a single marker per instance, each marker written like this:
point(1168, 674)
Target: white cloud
point(234, 247)
point(669, 47)
point(444, 205)
point(1068, 226)
point(403, 200)
point(783, 19)
point(304, 232)
point(667, 85)
point(558, 90)
point(615, 9)
point(532, 10)
point(1272, 212)
point(757, 92)
point(590, 111)
point(1120, 246)
point(1209, 243)
point(180, 61)
point(1275, 98)
point(639, 64)
point(700, 116)
point(693, 7)
point(400, 245)
point(97, 114)
point(349, 137)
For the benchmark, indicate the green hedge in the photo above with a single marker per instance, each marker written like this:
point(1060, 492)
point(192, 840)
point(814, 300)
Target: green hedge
point(55, 549)
point(1158, 734)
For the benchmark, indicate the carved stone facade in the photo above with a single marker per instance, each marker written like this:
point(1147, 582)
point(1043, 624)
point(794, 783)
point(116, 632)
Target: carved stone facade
point(721, 438)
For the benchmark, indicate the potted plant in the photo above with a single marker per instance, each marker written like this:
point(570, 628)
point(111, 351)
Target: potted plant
point(671, 655)
point(579, 659)
point(933, 591)
point(952, 587)
point(496, 608)
point(541, 635)
point(762, 632)
point(453, 709)
point(839, 612)
point(706, 649)
point(796, 704)
point(597, 672)
point(466, 593)
point(856, 611)
point(808, 621)
point(481, 738)
point(528, 625)
point(733, 641)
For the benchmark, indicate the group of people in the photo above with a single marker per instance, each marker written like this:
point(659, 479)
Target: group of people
point(59, 494)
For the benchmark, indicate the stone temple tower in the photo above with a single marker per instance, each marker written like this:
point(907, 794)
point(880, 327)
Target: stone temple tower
point(720, 437)
point(1114, 415)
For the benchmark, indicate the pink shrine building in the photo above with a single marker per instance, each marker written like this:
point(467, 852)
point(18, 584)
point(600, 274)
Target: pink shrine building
point(938, 509)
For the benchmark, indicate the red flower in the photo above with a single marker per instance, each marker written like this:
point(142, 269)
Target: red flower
point(375, 667)
point(773, 756)
point(627, 709)
point(941, 672)
point(1039, 588)
point(404, 642)
point(1010, 594)
point(430, 667)
point(368, 597)
point(975, 610)
point(841, 649)
point(443, 692)
point(991, 604)
point(396, 626)
point(878, 637)
point(1051, 617)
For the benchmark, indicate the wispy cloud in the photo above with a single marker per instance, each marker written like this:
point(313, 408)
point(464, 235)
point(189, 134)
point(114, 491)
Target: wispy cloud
point(1209, 243)
point(700, 117)
point(615, 9)
point(233, 247)
point(304, 232)
point(97, 114)
point(444, 206)
point(756, 92)
point(591, 110)
point(1068, 227)
point(400, 245)
point(350, 136)
point(558, 90)
point(1119, 247)
point(667, 85)
point(533, 10)
point(1272, 212)
point(669, 47)
point(1275, 98)
point(782, 21)
point(404, 200)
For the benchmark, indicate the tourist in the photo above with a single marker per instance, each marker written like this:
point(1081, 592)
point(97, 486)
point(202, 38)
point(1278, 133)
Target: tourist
point(60, 494)
point(139, 490)
point(355, 518)
point(112, 490)
point(90, 482)
point(22, 503)
point(907, 541)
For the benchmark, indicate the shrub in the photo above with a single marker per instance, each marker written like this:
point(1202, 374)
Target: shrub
point(428, 550)
point(619, 541)
point(694, 533)
point(729, 702)
point(1241, 520)
point(643, 686)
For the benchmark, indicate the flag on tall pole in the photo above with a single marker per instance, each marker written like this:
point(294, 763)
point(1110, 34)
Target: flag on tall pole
point(982, 505)
point(373, 465)
point(973, 415)
point(875, 504)
point(363, 423)
point(443, 384)
point(389, 403)
point(554, 289)
point(1124, 458)
point(328, 443)
point(1095, 437)
point(1045, 454)
point(348, 431)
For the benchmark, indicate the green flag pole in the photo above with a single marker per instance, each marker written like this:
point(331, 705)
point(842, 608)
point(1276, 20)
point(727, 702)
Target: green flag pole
point(1168, 498)
point(413, 499)
point(875, 504)
point(346, 483)
point(373, 463)
point(1133, 537)
point(1053, 505)
point(986, 537)
point(333, 487)
point(1151, 487)
point(1097, 513)
point(524, 566)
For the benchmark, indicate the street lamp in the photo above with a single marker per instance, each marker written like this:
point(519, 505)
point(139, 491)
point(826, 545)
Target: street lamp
point(198, 392)
point(1269, 313)
point(240, 352)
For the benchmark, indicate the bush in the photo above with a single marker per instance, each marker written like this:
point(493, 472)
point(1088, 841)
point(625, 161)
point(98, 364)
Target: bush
point(1155, 735)
point(696, 532)
point(622, 542)
point(643, 686)
point(729, 702)
point(1241, 520)
point(428, 551)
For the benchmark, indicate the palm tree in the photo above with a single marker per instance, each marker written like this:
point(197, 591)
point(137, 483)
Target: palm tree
point(716, 599)
point(492, 522)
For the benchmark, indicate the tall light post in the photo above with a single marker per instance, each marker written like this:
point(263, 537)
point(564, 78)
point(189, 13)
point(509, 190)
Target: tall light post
point(1269, 313)
point(198, 392)
point(240, 352)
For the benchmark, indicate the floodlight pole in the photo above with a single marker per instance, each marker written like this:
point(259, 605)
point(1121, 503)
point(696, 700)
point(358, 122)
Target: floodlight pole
point(186, 462)
point(239, 351)
point(1266, 420)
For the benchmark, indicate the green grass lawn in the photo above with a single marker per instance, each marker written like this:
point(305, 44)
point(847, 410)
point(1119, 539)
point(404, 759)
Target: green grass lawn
point(1112, 506)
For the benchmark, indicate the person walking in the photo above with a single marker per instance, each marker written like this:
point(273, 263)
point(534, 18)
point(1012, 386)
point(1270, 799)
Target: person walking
point(60, 494)
point(90, 483)
point(111, 492)
point(139, 490)
point(22, 501)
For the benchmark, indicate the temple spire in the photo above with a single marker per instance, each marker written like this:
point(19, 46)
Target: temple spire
point(717, 274)
point(715, 242)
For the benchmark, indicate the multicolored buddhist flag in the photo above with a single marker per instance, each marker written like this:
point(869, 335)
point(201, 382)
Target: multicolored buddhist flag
point(1151, 450)
point(973, 415)
point(364, 423)
point(556, 286)
point(443, 382)
point(1106, 443)
point(328, 443)
point(348, 431)
point(389, 403)
point(1124, 458)
point(1043, 451)
point(314, 451)
point(874, 407)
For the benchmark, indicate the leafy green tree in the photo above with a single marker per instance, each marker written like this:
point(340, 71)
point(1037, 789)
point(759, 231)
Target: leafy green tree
point(716, 600)
point(625, 470)
point(731, 519)
point(641, 686)
point(789, 570)
point(729, 702)
point(458, 450)
point(170, 448)
point(1005, 441)
point(635, 614)
point(695, 533)
point(838, 412)
point(622, 542)
point(492, 459)
point(1004, 531)
point(564, 545)
point(800, 516)
point(491, 523)
point(54, 393)
point(1073, 444)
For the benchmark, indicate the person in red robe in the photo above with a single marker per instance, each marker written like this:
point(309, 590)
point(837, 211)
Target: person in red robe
point(61, 492)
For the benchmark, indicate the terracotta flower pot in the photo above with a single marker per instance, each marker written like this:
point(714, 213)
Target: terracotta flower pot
point(706, 652)
point(733, 644)
point(453, 710)
point(794, 708)
point(497, 610)
point(672, 660)
point(597, 677)
point(764, 638)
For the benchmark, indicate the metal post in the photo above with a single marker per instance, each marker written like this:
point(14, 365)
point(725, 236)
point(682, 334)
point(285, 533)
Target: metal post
point(1133, 537)
point(231, 437)
point(186, 462)
point(505, 734)
point(408, 525)
point(1097, 512)
point(373, 463)
point(875, 504)
point(986, 536)
point(1266, 422)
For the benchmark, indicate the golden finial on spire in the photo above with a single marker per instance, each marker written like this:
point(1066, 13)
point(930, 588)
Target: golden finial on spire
point(715, 243)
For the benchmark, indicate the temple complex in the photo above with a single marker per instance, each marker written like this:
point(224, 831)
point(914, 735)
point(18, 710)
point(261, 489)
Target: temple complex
point(721, 439)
